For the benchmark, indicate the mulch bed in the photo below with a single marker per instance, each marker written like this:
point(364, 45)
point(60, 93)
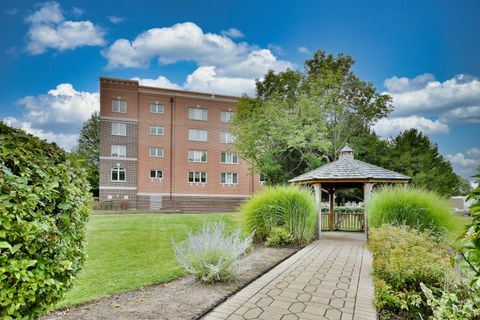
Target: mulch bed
point(184, 298)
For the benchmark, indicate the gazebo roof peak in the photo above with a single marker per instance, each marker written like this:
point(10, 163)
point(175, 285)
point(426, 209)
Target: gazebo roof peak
point(346, 152)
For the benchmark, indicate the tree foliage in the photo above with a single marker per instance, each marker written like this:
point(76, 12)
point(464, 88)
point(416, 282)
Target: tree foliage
point(44, 204)
point(88, 149)
point(302, 119)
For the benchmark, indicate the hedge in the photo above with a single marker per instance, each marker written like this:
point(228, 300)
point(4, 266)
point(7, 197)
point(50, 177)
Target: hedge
point(44, 204)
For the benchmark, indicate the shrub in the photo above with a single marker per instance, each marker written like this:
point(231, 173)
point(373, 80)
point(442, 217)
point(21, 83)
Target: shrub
point(289, 207)
point(44, 204)
point(279, 237)
point(210, 255)
point(402, 259)
point(419, 209)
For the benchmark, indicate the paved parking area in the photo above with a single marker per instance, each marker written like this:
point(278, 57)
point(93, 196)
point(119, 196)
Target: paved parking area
point(328, 279)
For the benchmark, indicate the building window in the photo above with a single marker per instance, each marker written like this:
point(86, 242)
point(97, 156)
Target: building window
point(157, 108)
point(197, 156)
point(197, 177)
point(118, 174)
point(197, 114)
point(229, 158)
point(225, 116)
point(119, 106)
point(156, 131)
point(119, 151)
point(156, 174)
point(197, 135)
point(227, 137)
point(119, 129)
point(228, 178)
point(156, 152)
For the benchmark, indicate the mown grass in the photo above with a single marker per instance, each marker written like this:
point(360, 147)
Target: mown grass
point(127, 252)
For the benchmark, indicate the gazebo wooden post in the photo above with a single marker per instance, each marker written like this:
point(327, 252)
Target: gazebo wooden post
point(318, 201)
point(367, 192)
point(331, 216)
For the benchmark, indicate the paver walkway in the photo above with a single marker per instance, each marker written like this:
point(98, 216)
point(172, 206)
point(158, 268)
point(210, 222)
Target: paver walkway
point(328, 279)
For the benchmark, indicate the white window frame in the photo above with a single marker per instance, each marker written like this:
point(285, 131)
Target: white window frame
point(156, 153)
point(157, 108)
point(117, 105)
point(227, 137)
point(156, 174)
point(154, 131)
point(197, 155)
point(229, 156)
point(118, 170)
point(200, 173)
point(225, 116)
point(228, 178)
point(118, 125)
point(118, 151)
point(197, 135)
point(200, 114)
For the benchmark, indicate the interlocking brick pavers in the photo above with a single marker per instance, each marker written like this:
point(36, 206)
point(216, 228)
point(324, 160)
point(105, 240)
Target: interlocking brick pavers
point(328, 279)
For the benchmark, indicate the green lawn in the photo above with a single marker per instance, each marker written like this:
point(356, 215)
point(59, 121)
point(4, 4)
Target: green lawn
point(130, 251)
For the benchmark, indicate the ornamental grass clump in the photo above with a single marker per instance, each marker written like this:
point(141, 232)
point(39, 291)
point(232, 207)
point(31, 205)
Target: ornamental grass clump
point(419, 209)
point(288, 207)
point(210, 255)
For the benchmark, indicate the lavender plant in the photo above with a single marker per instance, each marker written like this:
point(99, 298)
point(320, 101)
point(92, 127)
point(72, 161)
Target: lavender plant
point(210, 255)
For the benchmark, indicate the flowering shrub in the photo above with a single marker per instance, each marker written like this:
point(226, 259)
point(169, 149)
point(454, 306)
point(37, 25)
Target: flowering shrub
point(210, 255)
point(279, 237)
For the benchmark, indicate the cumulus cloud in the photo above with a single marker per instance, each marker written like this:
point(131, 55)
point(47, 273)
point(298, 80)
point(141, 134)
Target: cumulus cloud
point(462, 115)
point(392, 126)
point(64, 140)
point(62, 105)
point(425, 95)
point(187, 42)
point(161, 82)
point(465, 163)
point(49, 30)
point(205, 79)
point(304, 50)
point(233, 33)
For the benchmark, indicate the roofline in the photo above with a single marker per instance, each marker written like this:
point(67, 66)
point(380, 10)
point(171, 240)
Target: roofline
point(343, 180)
point(177, 91)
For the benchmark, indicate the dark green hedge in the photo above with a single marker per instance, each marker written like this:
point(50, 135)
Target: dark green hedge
point(44, 204)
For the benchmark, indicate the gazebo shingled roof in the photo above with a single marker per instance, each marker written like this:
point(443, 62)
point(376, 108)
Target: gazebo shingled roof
point(348, 168)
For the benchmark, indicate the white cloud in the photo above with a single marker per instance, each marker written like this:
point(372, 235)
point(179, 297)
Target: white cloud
point(388, 127)
point(49, 29)
point(233, 33)
point(63, 105)
point(77, 12)
point(115, 19)
point(462, 115)
point(304, 50)
point(187, 42)
point(66, 141)
point(160, 82)
point(205, 79)
point(276, 48)
point(465, 163)
point(424, 95)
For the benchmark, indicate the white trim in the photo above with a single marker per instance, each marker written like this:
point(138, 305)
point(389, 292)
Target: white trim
point(116, 188)
point(115, 119)
point(195, 195)
point(212, 96)
point(117, 158)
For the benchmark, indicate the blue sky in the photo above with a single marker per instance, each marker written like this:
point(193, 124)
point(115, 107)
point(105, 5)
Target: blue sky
point(424, 53)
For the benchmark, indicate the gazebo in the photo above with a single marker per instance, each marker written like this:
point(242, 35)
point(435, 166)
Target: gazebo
point(346, 173)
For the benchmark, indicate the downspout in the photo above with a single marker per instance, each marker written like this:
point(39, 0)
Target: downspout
point(172, 102)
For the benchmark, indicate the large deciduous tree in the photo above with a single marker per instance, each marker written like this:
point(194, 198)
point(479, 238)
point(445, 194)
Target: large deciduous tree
point(88, 149)
point(300, 119)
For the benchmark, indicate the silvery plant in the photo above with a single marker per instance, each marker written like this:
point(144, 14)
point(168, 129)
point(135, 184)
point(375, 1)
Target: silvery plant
point(210, 255)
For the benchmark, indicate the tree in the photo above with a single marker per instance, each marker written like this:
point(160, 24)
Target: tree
point(88, 149)
point(412, 153)
point(300, 120)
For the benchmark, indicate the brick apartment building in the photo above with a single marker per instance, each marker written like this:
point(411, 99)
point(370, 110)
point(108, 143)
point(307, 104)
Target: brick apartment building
point(169, 149)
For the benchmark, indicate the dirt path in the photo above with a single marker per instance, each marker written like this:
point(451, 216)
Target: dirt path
point(184, 298)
